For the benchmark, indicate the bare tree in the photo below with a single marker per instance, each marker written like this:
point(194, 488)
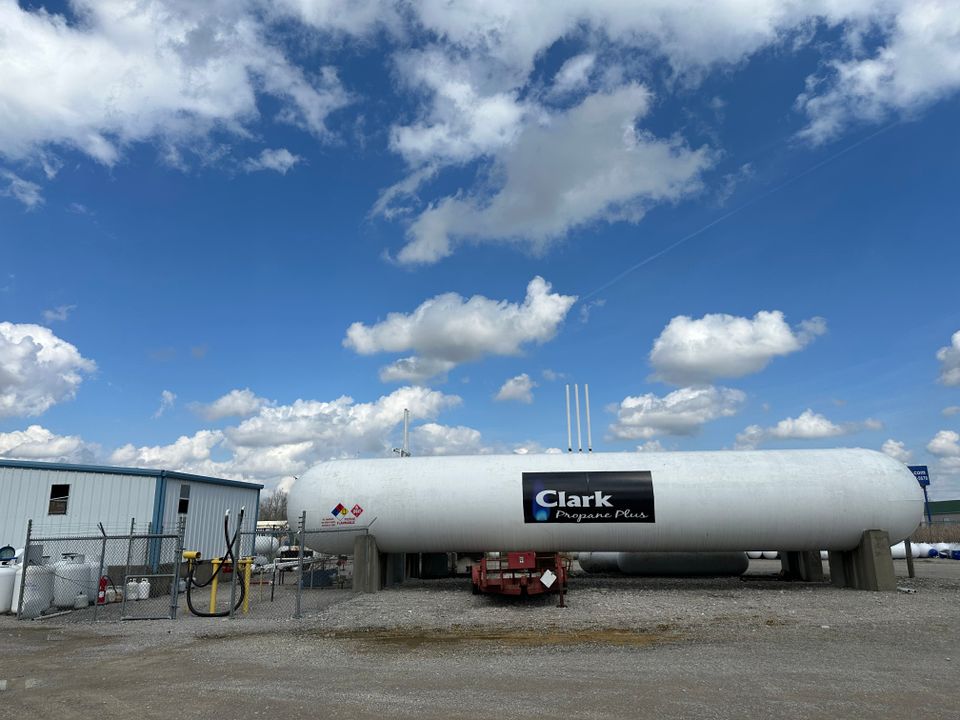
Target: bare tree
point(274, 506)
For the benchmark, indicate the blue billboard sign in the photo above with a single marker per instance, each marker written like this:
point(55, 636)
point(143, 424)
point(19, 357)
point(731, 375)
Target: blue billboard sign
point(921, 474)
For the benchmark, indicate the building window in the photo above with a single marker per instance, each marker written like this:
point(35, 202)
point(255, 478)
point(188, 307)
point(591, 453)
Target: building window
point(59, 494)
point(184, 505)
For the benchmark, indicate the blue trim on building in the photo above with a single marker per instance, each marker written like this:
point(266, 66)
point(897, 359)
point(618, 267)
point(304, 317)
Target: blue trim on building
point(105, 469)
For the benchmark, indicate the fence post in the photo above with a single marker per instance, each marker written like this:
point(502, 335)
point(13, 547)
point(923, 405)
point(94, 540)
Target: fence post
point(24, 561)
point(300, 533)
point(126, 568)
point(175, 583)
point(103, 556)
point(237, 544)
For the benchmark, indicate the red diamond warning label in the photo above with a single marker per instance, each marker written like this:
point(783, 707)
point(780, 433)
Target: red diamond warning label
point(356, 510)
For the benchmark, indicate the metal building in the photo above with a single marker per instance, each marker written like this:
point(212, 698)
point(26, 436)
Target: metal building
point(70, 499)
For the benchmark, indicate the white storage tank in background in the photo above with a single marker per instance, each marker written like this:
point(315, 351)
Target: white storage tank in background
point(8, 576)
point(37, 589)
point(693, 501)
point(71, 577)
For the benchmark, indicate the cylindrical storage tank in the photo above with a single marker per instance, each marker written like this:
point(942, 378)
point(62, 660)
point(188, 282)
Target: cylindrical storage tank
point(696, 501)
point(770, 554)
point(598, 562)
point(8, 577)
point(683, 564)
point(265, 545)
point(898, 551)
point(71, 576)
point(37, 590)
point(755, 554)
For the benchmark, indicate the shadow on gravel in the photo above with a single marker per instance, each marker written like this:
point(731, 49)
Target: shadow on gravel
point(417, 638)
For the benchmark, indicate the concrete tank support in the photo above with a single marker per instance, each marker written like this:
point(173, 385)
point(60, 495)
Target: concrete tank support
point(802, 565)
point(869, 566)
point(366, 564)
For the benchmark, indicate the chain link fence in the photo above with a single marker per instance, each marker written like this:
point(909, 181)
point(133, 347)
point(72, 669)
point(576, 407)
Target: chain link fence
point(287, 576)
point(112, 575)
point(102, 576)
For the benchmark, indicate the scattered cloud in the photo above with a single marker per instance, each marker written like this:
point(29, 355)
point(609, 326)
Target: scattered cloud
point(949, 358)
point(916, 64)
point(587, 164)
point(551, 375)
point(236, 403)
point(37, 370)
point(518, 389)
point(170, 73)
point(574, 74)
point(167, 400)
point(448, 330)
point(897, 450)
point(531, 447)
point(945, 443)
point(681, 412)
point(186, 453)
point(279, 160)
point(806, 426)
point(199, 352)
point(727, 346)
point(650, 446)
point(587, 307)
point(435, 439)
point(14, 186)
point(950, 411)
point(39, 443)
point(61, 313)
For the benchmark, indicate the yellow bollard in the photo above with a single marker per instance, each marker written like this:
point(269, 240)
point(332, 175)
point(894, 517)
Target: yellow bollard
point(247, 564)
point(213, 587)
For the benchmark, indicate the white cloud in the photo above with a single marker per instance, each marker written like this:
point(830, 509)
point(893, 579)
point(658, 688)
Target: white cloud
point(650, 446)
point(280, 160)
point(945, 443)
point(124, 72)
point(918, 63)
point(280, 441)
point(14, 186)
point(719, 345)
point(681, 412)
point(39, 443)
point(574, 74)
point(186, 453)
point(448, 330)
point(531, 447)
point(61, 313)
point(37, 369)
point(897, 450)
point(434, 439)
point(587, 307)
point(950, 411)
point(590, 163)
point(167, 400)
point(551, 375)
point(949, 358)
point(462, 122)
point(518, 389)
point(806, 426)
point(236, 403)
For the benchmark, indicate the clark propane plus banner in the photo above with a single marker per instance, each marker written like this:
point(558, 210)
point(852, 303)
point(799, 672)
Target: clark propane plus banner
point(579, 497)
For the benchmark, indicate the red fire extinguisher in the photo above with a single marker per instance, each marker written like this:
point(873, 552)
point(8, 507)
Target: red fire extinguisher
point(102, 590)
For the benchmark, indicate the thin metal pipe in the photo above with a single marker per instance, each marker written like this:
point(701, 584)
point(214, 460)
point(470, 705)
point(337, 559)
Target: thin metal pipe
point(126, 569)
point(586, 400)
point(569, 438)
point(576, 397)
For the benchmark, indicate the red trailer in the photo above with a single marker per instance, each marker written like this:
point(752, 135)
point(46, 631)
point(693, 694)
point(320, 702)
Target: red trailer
point(520, 573)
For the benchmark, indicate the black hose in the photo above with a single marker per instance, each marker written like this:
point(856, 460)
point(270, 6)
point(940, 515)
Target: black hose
point(191, 581)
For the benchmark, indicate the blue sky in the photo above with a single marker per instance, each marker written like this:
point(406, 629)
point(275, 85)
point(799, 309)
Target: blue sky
point(239, 238)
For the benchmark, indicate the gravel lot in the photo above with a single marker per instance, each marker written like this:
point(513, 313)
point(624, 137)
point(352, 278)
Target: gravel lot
point(624, 647)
